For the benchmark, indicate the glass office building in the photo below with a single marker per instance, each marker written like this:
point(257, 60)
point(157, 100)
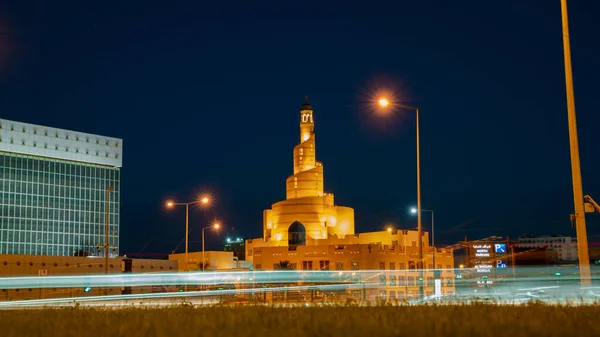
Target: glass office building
point(53, 186)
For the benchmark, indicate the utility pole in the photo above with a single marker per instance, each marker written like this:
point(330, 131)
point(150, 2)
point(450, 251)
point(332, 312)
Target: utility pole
point(579, 216)
point(106, 244)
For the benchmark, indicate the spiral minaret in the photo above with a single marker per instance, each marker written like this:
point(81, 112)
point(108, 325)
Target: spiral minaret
point(307, 180)
point(307, 214)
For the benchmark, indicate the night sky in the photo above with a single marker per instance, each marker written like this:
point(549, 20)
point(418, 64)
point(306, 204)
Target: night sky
point(207, 98)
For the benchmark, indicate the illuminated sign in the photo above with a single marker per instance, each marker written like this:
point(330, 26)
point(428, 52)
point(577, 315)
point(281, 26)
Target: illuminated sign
point(484, 268)
point(482, 250)
point(487, 257)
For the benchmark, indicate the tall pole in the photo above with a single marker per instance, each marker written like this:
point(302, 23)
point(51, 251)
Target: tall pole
point(419, 226)
point(384, 102)
point(433, 239)
point(187, 232)
point(580, 226)
point(204, 200)
point(106, 245)
point(204, 219)
point(512, 261)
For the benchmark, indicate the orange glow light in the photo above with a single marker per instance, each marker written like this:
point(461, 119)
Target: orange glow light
point(205, 200)
point(384, 102)
point(217, 225)
point(170, 204)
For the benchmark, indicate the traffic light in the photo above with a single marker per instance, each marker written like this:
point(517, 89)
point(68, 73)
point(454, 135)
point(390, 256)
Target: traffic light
point(596, 261)
point(556, 274)
point(484, 277)
point(87, 289)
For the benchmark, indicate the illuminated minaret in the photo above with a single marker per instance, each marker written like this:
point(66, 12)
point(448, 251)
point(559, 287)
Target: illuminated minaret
point(307, 214)
point(307, 180)
point(304, 153)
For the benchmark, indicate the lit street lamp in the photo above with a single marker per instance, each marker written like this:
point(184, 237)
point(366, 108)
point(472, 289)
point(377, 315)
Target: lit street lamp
point(215, 226)
point(385, 103)
point(171, 204)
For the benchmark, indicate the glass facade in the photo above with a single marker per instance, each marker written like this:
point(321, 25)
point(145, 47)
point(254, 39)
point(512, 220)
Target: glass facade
point(56, 207)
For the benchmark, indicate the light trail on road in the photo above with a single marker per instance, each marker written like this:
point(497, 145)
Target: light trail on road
point(190, 295)
point(455, 285)
point(194, 278)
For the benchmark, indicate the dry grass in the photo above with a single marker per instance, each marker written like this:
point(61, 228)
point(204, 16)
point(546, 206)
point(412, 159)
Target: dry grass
point(452, 320)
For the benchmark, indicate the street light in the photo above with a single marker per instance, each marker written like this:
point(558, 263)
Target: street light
point(414, 211)
point(385, 103)
point(171, 204)
point(215, 226)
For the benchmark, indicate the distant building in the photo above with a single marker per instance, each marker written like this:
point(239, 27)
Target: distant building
point(535, 256)
point(564, 246)
point(237, 246)
point(12, 265)
point(213, 260)
point(53, 190)
point(308, 231)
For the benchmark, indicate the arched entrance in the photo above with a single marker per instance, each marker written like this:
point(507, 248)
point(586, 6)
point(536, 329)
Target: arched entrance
point(297, 234)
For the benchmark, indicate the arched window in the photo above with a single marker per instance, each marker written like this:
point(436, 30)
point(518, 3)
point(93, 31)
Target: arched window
point(297, 234)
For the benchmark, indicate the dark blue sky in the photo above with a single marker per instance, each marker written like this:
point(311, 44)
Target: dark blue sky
point(207, 97)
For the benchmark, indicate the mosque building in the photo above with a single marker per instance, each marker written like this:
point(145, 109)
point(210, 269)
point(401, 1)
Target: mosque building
point(308, 231)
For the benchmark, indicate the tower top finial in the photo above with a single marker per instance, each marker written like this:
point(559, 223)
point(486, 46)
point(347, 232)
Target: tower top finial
point(306, 105)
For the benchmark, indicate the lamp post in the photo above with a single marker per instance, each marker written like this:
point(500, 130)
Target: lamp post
point(106, 245)
point(215, 226)
point(414, 210)
point(384, 103)
point(170, 204)
point(580, 226)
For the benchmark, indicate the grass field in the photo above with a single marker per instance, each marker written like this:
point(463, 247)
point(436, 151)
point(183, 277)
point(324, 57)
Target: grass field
point(460, 320)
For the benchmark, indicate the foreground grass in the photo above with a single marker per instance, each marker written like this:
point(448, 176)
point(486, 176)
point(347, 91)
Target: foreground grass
point(415, 321)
